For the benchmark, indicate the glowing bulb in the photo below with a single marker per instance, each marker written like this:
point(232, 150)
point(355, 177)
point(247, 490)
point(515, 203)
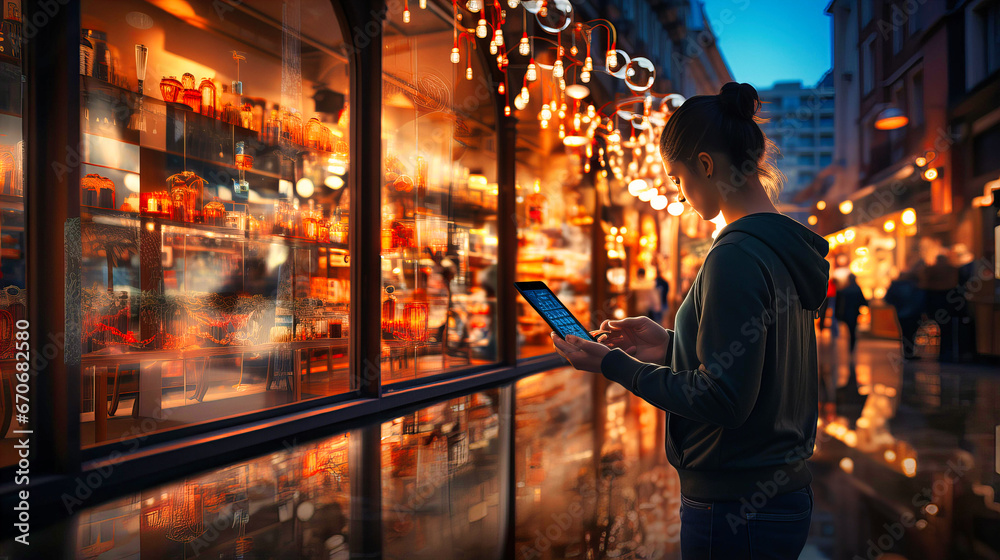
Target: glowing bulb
point(920, 161)
point(406, 16)
point(520, 103)
point(813, 220)
point(456, 57)
point(468, 72)
point(909, 466)
point(647, 195)
point(544, 124)
point(659, 202)
point(474, 5)
point(512, 3)
point(333, 182)
point(821, 205)
point(532, 72)
point(675, 208)
point(889, 225)
point(909, 217)
point(305, 187)
point(423, 4)
point(506, 111)
point(524, 94)
point(847, 465)
point(612, 59)
point(931, 174)
point(498, 37)
point(481, 28)
point(501, 89)
point(562, 130)
point(493, 47)
point(889, 455)
point(585, 76)
point(846, 207)
point(524, 48)
point(545, 114)
point(557, 69)
point(637, 186)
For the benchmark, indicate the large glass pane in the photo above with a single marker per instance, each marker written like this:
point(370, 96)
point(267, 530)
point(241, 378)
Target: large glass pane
point(13, 293)
point(214, 215)
point(440, 481)
point(439, 223)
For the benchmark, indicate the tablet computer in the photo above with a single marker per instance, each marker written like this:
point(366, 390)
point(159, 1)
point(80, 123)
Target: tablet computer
point(552, 310)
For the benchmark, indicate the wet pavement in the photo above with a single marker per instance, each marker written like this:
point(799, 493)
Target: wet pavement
point(905, 463)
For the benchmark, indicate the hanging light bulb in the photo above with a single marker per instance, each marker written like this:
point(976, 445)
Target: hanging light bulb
point(468, 72)
point(520, 103)
point(501, 89)
point(544, 124)
point(524, 94)
point(474, 5)
point(506, 110)
point(557, 69)
point(493, 47)
point(573, 50)
point(585, 76)
point(588, 63)
point(562, 111)
point(423, 4)
point(498, 37)
point(512, 3)
point(591, 111)
point(562, 130)
point(456, 57)
point(612, 59)
point(481, 28)
point(532, 73)
point(524, 48)
point(545, 113)
point(406, 16)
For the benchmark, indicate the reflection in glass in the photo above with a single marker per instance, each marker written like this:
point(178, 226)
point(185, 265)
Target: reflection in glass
point(440, 485)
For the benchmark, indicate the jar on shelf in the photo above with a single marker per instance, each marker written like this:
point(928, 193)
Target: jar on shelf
point(185, 196)
point(231, 114)
point(106, 194)
point(192, 98)
point(207, 90)
point(389, 312)
point(271, 132)
point(236, 220)
point(244, 160)
point(187, 80)
point(90, 184)
point(246, 117)
point(295, 128)
point(314, 133)
point(170, 89)
point(214, 214)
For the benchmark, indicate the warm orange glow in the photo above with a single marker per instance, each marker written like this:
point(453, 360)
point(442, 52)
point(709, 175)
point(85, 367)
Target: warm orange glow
point(931, 174)
point(821, 205)
point(920, 161)
point(813, 220)
point(909, 466)
point(889, 225)
point(892, 122)
point(909, 216)
point(846, 207)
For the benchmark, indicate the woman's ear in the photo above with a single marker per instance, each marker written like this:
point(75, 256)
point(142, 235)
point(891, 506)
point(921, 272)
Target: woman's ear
point(707, 164)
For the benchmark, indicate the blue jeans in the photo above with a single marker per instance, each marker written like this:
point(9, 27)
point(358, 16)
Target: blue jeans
point(747, 529)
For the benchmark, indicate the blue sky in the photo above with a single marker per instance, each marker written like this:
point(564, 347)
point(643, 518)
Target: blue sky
point(765, 41)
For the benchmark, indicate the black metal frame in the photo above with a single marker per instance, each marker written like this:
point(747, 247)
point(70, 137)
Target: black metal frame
point(53, 134)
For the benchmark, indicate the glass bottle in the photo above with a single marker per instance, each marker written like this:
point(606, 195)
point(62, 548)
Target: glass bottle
point(207, 89)
point(170, 88)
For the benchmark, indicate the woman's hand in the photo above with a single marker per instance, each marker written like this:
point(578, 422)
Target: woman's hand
point(584, 355)
point(640, 337)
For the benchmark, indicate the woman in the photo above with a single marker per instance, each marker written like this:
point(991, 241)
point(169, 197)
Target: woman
point(738, 374)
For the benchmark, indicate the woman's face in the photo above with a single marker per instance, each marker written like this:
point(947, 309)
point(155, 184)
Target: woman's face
point(695, 185)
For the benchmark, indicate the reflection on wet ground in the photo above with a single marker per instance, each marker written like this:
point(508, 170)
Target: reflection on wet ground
point(905, 463)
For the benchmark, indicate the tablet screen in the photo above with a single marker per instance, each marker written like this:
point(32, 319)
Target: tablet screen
point(555, 313)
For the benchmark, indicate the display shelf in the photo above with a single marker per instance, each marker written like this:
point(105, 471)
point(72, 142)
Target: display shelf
point(210, 231)
point(11, 201)
point(102, 358)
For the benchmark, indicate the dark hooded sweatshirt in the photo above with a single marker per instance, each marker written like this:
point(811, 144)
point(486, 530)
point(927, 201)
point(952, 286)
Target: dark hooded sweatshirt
point(740, 388)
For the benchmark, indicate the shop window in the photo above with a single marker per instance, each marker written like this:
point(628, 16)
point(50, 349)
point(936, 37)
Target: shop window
point(13, 286)
point(826, 140)
point(806, 159)
point(826, 122)
point(215, 268)
point(439, 202)
point(825, 159)
point(806, 140)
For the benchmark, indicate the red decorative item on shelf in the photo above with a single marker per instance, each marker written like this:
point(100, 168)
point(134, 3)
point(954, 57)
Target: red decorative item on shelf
point(413, 326)
point(207, 89)
point(402, 236)
point(156, 204)
point(215, 214)
point(185, 196)
point(192, 98)
point(170, 88)
point(389, 312)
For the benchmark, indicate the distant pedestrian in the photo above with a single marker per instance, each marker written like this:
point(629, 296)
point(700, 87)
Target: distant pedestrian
point(647, 299)
point(906, 296)
point(849, 303)
point(940, 284)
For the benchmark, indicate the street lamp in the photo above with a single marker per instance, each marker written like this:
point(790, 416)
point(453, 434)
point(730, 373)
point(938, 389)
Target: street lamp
point(891, 118)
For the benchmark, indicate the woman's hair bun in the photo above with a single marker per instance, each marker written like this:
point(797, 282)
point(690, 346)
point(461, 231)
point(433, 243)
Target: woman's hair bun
point(739, 100)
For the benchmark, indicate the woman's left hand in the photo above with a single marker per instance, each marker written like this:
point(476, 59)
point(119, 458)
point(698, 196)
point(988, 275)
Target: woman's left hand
point(582, 354)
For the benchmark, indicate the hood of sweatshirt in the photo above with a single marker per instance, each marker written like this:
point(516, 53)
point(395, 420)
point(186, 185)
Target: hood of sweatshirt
point(801, 250)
